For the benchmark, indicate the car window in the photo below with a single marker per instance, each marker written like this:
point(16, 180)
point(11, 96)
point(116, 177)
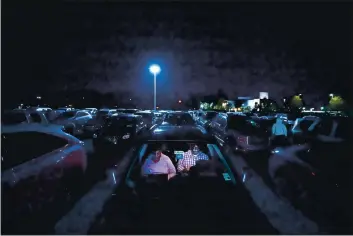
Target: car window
point(12, 118)
point(21, 147)
point(325, 127)
point(81, 113)
point(35, 117)
point(343, 131)
point(305, 124)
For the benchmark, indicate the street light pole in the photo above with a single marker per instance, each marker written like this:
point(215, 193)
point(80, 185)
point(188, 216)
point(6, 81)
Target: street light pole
point(155, 69)
point(155, 91)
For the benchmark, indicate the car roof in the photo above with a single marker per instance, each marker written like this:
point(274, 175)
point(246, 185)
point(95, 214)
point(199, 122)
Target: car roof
point(179, 133)
point(32, 127)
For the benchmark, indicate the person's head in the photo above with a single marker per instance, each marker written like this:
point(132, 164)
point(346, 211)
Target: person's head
point(279, 121)
point(194, 149)
point(158, 152)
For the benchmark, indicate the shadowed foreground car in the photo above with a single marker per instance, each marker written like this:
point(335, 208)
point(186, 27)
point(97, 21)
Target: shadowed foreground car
point(207, 199)
point(41, 170)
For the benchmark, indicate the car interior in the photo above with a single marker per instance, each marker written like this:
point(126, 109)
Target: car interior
point(174, 150)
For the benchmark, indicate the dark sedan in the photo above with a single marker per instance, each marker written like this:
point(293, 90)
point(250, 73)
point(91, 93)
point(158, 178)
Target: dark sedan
point(179, 118)
point(118, 131)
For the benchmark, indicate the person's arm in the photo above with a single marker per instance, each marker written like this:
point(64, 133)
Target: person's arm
point(171, 168)
point(180, 165)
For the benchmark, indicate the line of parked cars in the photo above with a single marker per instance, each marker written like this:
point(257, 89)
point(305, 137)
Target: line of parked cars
point(44, 162)
point(313, 171)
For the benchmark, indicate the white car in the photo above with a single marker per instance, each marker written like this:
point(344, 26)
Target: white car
point(23, 116)
point(73, 121)
point(41, 169)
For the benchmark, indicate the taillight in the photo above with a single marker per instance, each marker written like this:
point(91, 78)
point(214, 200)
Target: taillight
point(243, 139)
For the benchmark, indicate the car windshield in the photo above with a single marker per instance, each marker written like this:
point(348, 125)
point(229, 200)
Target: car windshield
point(11, 118)
point(179, 119)
point(215, 167)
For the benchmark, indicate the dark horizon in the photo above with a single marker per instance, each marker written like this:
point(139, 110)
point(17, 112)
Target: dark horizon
point(242, 49)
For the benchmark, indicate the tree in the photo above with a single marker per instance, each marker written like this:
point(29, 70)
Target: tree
point(336, 103)
point(296, 102)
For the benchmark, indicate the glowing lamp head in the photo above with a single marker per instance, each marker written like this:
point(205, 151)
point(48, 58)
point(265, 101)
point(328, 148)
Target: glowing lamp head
point(155, 69)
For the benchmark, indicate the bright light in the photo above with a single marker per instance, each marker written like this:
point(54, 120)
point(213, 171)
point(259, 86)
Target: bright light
point(331, 94)
point(39, 97)
point(179, 101)
point(155, 69)
point(322, 108)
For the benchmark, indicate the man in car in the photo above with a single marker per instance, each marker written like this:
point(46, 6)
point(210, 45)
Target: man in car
point(191, 157)
point(158, 163)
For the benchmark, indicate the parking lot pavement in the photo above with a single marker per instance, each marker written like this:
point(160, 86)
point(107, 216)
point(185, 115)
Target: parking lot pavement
point(282, 215)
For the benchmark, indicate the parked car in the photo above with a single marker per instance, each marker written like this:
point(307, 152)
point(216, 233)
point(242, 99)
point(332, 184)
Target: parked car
point(23, 116)
point(96, 123)
point(118, 132)
point(240, 132)
point(91, 111)
point(302, 128)
point(178, 118)
point(317, 177)
point(206, 117)
point(73, 121)
point(41, 170)
point(147, 117)
point(128, 111)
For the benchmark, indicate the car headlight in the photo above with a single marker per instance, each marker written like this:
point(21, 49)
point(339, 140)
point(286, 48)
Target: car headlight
point(126, 136)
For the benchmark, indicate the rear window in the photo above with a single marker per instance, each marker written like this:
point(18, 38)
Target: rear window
point(12, 118)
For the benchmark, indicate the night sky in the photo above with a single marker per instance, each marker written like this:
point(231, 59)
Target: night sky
point(240, 48)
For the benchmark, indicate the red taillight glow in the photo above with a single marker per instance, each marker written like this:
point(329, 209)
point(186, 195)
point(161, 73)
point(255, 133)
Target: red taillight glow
point(312, 173)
